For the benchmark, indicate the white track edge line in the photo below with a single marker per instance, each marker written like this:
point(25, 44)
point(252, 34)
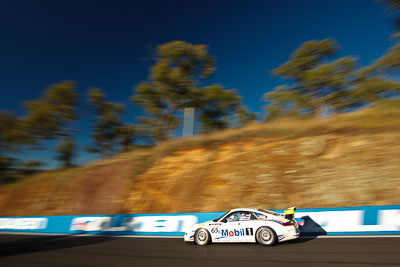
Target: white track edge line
point(173, 236)
point(351, 236)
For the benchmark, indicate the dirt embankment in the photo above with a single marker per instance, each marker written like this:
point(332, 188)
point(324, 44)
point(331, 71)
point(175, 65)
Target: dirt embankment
point(322, 171)
point(316, 171)
point(96, 189)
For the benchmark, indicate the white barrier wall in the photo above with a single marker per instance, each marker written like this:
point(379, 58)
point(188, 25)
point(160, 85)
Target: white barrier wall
point(330, 221)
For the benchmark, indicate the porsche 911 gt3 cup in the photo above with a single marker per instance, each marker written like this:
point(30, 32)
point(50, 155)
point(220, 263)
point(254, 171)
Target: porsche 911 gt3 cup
point(246, 225)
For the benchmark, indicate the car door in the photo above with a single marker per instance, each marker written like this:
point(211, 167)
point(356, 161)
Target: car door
point(246, 227)
point(233, 228)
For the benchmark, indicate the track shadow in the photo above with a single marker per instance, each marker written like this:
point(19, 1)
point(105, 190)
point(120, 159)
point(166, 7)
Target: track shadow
point(46, 243)
point(309, 231)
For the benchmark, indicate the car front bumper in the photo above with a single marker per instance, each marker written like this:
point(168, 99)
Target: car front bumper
point(188, 237)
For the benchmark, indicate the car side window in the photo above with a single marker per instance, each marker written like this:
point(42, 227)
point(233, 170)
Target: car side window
point(239, 216)
point(258, 216)
point(245, 216)
point(233, 217)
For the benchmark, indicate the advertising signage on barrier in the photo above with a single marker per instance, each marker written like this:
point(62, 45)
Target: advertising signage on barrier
point(330, 221)
point(351, 221)
point(135, 224)
point(23, 223)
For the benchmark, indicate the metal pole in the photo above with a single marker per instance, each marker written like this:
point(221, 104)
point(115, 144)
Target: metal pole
point(188, 122)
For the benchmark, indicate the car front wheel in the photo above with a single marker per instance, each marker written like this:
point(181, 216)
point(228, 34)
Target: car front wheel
point(202, 237)
point(266, 236)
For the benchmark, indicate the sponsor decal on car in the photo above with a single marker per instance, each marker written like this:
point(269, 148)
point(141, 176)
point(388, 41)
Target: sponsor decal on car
point(276, 221)
point(236, 232)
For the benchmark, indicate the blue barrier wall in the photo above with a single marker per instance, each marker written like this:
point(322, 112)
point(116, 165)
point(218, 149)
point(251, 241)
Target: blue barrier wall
point(326, 221)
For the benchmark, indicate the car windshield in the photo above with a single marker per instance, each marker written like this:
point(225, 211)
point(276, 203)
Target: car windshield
point(216, 220)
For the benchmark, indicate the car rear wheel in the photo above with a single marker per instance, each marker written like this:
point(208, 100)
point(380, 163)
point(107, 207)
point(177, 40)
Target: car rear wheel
point(266, 236)
point(202, 237)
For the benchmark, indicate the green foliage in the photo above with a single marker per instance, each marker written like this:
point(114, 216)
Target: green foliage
point(216, 105)
point(5, 165)
point(12, 137)
point(173, 85)
point(244, 116)
point(179, 62)
point(33, 164)
point(315, 83)
point(374, 89)
point(66, 150)
point(127, 134)
point(109, 132)
point(108, 120)
point(161, 119)
point(285, 102)
point(31, 167)
point(394, 8)
point(46, 118)
point(49, 116)
point(157, 128)
point(391, 60)
point(12, 132)
point(306, 57)
point(371, 84)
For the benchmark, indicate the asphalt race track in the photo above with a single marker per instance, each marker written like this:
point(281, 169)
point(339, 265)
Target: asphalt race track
point(33, 250)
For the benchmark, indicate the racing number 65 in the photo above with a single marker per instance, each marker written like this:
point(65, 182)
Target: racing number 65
point(214, 230)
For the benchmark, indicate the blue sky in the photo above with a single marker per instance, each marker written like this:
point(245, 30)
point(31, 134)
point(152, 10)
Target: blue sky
point(109, 44)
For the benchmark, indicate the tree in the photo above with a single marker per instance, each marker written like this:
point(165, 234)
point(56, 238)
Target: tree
point(174, 84)
point(66, 150)
point(284, 102)
point(374, 83)
point(32, 166)
point(12, 137)
point(244, 116)
point(216, 105)
point(394, 7)
point(127, 134)
point(160, 121)
point(337, 85)
point(12, 132)
point(390, 62)
point(315, 84)
point(110, 133)
point(373, 89)
point(51, 116)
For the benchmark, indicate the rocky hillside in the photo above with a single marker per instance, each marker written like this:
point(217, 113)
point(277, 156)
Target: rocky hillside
point(346, 160)
point(321, 171)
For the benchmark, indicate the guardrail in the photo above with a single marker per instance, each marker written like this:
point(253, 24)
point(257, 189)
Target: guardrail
point(325, 221)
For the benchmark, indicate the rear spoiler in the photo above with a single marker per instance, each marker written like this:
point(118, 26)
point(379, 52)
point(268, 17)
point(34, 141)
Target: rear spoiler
point(289, 214)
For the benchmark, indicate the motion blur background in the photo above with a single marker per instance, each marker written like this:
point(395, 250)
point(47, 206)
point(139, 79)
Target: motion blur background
point(279, 102)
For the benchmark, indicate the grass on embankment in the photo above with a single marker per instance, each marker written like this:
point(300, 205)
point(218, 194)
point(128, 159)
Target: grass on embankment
point(384, 118)
point(372, 120)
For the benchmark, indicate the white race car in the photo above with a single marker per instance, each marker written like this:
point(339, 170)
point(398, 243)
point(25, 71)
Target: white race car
point(246, 225)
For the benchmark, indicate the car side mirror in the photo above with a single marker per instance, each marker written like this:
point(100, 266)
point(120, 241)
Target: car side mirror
point(224, 220)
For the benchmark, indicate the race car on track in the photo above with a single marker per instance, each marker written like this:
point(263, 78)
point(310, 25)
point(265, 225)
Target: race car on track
point(246, 225)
